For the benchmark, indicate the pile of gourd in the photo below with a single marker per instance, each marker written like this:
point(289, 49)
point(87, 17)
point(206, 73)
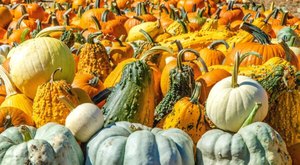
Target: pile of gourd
point(148, 82)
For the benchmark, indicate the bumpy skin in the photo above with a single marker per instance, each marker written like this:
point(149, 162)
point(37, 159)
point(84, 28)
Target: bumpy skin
point(47, 107)
point(125, 143)
point(133, 98)
point(181, 84)
point(51, 144)
point(94, 59)
point(255, 144)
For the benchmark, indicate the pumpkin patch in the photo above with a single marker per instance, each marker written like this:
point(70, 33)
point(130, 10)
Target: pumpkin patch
point(149, 82)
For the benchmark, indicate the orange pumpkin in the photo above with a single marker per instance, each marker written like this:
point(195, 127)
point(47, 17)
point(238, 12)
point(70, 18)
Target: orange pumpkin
point(2, 91)
point(190, 5)
point(211, 56)
point(120, 51)
point(112, 27)
point(10, 117)
point(230, 13)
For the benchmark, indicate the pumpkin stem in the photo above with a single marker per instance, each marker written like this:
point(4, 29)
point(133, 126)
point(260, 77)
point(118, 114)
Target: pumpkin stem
point(183, 25)
point(284, 18)
point(213, 45)
point(7, 122)
point(23, 10)
point(134, 128)
point(230, 5)
point(178, 44)
point(155, 50)
point(18, 25)
point(200, 12)
point(163, 8)
point(138, 18)
point(45, 32)
point(9, 86)
point(256, 32)
point(96, 22)
point(266, 20)
point(147, 36)
point(102, 95)
point(196, 93)
point(66, 17)
point(24, 33)
point(94, 81)
point(181, 55)
point(104, 16)
point(53, 74)
point(24, 130)
point(237, 61)
point(115, 8)
point(97, 4)
point(90, 38)
point(67, 102)
point(251, 117)
point(288, 51)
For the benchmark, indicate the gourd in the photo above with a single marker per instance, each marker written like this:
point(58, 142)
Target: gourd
point(188, 115)
point(133, 143)
point(231, 100)
point(10, 116)
point(46, 104)
point(181, 84)
point(254, 143)
point(84, 120)
point(50, 144)
point(133, 99)
point(45, 55)
point(287, 34)
point(93, 58)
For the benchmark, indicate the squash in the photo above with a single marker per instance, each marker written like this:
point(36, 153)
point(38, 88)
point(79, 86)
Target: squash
point(50, 144)
point(181, 84)
point(133, 143)
point(188, 115)
point(93, 58)
point(13, 98)
point(134, 98)
point(255, 143)
point(231, 100)
point(84, 120)
point(10, 116)
point(287, 34)
point(46, 104)
point(45, 55)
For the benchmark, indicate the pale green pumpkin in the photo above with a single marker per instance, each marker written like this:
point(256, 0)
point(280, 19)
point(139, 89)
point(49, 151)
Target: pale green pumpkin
point(124, 143)
point(52, 144)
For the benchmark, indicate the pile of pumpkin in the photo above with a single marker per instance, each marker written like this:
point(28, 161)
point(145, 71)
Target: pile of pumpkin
point(148, 82)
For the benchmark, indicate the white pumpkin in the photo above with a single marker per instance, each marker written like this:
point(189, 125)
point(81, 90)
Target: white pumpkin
point(232, 99)
point(84, 121)
point(33, 61)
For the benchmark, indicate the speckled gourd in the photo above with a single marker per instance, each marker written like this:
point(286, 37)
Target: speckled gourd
point(47, 107)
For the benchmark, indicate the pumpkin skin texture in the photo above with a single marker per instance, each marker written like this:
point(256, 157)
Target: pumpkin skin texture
point(50, 144)
point(257, 143)
point(10, 116)
point(132, 143)
point(32, 63)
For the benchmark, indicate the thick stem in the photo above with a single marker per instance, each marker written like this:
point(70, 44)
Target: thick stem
point(147, 36)
point(104, 16)
point(90, 38)
point(256, 32)
point(163, 8)
point(196, 93)
point(102, 95)
point(54, 21)
point(94, 81)
point(138, 18)
point(217, 15)
point(181, 55)
point(183, 25)
point(67, 102)
point(213, 45)
point(116, 9)
point(251, 117)
point(246, 17)
point(18, 25)
point(9, 87)
point(53, 74)
point(66, 17)
point(23, 10)
point(96, 22)
point(45, 32)
point(284, 18)
point(97, 4)
point(24, 130)
point(230, 5)
point(266, 20)
point(7, 122)
point(178, 44)
point(24, 33)
point(200, 12)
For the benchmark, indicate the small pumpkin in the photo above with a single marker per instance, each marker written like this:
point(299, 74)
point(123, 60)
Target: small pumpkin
point(133, 143)
point(231, 100)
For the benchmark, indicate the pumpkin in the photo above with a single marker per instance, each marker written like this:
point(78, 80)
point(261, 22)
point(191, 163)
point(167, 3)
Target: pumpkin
point(10, 116)
point(152, 28)
point(113, 27)
point(255, 143)
point(120, 51)
point(212, 56)
point(189, 5)
point(45, 55)
point(13, 98)
point(134, 98)
point(230, 13)
point(93, 58)
point(132, 143)
point(181, 85)
point(84, 120)
point(231, 100)
point(264, 47)
point(6, 16)
point(88, 82)
point(188, 115)
point(50, 144)
point(46, 105)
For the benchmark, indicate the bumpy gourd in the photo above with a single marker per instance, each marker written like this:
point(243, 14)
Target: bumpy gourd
point(181, 84)
point(93, 58)
point(47, 107)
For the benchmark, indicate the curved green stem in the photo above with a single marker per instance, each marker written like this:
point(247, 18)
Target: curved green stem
point(147, 36)
point(155, 50)
point(45, 32)
point(251, 117)
point(178, 44)
point(138, 18)
point(200, 12)
point(257, 33)
point(163, 8)
point(24, 130)
point(90, 38)
point(266, 20)
point(213, 45)
point(196, 93)
point(115, 8)
point(24, 16)
point(97, 4)
point(104, 16)
point(183, 25)
point(180, 56)
point(24, 33)
point(53, 74)
point(284, 18)
point(230, 5)
point(246, 17)
point(96, 22)
point(66, 17)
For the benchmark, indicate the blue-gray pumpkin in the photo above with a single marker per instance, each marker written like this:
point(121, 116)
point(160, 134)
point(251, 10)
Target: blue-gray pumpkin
point(125, 143)
point(51, 144)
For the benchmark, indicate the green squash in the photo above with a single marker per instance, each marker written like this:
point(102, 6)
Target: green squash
point(181, 85)
point(50, 144)
point(254, 144)
point(125, 143)
point(133, 98)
